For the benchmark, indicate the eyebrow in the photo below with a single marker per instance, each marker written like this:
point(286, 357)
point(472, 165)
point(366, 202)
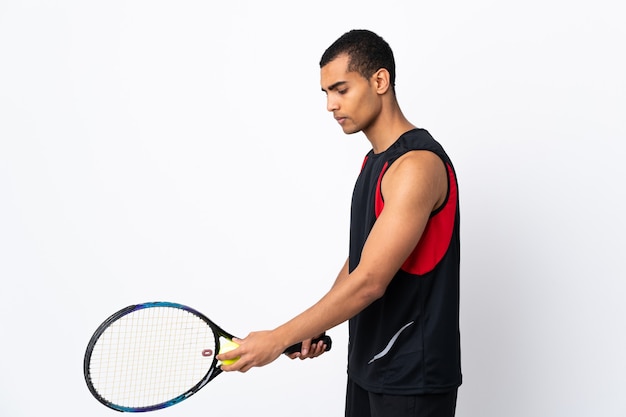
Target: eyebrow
point(335, 85)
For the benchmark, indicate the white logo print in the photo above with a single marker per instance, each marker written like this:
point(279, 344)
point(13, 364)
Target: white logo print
point(390, 344)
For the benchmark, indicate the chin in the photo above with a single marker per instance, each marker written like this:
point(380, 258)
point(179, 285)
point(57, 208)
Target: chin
point(351, 131)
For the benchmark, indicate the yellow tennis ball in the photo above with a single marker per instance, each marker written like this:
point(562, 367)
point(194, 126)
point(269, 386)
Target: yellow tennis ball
point(227, 346)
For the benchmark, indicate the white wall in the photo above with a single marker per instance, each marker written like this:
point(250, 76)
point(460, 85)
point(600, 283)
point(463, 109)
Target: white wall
point(155, 150)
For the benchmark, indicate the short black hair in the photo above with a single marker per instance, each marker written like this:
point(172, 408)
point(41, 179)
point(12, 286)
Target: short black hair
point(368, 53)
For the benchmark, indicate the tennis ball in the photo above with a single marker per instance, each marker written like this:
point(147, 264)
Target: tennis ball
point(227, 346)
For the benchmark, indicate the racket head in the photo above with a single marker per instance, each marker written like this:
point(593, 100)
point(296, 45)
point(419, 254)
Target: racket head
point(151, 356)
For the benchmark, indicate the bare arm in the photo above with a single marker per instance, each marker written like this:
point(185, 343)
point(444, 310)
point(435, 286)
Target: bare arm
point(343, 273)
point(310, 350)
point(413, 187)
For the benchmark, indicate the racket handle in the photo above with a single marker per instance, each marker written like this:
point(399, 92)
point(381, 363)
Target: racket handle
point(298, 346)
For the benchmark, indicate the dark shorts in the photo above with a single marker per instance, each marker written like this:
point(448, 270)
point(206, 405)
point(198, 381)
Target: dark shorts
point(361, 403)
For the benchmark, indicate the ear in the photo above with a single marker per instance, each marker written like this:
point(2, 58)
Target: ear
point(381, 81)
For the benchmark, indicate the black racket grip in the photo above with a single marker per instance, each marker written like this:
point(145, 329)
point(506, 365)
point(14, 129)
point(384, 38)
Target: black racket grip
point(298, 346)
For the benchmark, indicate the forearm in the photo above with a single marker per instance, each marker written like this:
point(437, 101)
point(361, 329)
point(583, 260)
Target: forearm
point(343, 273)
point(349, 295)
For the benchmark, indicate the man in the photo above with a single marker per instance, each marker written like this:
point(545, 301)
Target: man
point(399, 287)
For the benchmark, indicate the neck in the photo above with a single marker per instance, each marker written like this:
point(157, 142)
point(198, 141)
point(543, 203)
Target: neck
point(387, 128)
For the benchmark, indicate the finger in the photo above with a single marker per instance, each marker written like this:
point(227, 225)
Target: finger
point(312, 352)
point(319, 346)
point(306, 347)
point(294, 355)
point(230, 368)
point(319, 349)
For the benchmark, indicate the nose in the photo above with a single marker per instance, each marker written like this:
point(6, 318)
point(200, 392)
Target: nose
point(331, 104)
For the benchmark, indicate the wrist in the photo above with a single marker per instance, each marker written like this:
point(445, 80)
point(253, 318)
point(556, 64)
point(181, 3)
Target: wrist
point(282, 337)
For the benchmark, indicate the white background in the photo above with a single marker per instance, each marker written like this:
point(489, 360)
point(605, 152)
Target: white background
point(181, 151)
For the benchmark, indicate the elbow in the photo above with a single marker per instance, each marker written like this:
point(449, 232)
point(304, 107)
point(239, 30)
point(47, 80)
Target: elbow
point(372, 291)
point(377, 291)
point(365, 286)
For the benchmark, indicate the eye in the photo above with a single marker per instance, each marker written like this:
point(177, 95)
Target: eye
point(342, 91)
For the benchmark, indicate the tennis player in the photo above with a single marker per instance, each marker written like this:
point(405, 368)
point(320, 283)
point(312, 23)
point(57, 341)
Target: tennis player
point(399, 287)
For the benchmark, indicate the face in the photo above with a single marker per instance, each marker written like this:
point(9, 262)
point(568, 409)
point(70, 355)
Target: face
point(353, 100)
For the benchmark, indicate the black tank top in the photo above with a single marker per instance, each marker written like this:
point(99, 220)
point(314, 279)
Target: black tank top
point(408, 342)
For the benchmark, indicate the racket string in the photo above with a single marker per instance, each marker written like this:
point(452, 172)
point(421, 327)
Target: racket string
point(151, 356)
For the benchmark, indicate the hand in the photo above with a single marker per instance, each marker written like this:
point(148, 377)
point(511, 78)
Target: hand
point(310, 350)
point(257, 349)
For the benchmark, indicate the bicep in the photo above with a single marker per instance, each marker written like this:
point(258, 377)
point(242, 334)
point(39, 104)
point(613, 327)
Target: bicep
point(411, 191)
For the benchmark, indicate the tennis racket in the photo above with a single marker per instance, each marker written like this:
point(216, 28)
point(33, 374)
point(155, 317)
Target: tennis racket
point(150, 356)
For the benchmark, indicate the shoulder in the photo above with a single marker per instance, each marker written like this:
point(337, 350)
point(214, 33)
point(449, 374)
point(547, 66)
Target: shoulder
point(418, 174)
point(418, 163)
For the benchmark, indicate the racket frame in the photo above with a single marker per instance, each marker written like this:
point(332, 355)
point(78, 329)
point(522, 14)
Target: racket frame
point(214, 369)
